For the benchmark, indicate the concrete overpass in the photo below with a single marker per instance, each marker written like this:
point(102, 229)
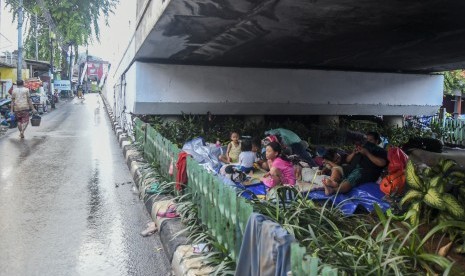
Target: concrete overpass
point(290, 56)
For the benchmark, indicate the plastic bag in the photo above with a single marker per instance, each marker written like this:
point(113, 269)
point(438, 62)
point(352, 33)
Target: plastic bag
point(206, 156)
point(397, 159)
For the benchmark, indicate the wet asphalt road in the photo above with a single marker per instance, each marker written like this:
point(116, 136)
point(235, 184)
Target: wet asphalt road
point(61, 212)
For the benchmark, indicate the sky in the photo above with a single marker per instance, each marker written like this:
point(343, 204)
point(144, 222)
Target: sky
point(113, 38)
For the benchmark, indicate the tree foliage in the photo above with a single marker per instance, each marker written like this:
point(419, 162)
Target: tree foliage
point(454, 80)
point(76, 22)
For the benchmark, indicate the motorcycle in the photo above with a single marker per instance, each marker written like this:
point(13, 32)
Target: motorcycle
point(52, 99)
point(9, 118)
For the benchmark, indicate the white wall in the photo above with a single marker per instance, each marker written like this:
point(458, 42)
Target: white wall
point(125, 61)
point(131, 88)
point(172, 89)
point(121, 97)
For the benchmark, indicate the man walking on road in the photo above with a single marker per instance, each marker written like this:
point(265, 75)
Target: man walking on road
point(21, 104)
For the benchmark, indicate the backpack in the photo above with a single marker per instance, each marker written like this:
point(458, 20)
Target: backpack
point(394, 183)
point(236, 174)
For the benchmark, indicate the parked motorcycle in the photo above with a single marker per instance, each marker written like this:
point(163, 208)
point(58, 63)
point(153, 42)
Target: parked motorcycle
point(52, 99)
point(56, 96)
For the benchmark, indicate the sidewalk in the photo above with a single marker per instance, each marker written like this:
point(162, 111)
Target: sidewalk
point(176, 247)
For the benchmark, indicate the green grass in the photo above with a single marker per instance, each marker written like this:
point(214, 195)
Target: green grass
point(358, 244)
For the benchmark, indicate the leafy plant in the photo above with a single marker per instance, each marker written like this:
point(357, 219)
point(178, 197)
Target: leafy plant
point(355, 245)
point(217, 257)
point(412, 246)
point(437, 129)
point(436, 197)
point(429, 192)
point(188, 127)
point(361, 126)
point(454, 80)
point(398, 136)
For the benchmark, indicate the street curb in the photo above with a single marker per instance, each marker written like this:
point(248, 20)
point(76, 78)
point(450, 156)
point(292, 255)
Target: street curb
point(176, 247)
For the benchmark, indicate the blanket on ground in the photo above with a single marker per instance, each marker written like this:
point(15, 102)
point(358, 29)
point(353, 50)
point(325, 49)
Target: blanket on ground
point(364, 196)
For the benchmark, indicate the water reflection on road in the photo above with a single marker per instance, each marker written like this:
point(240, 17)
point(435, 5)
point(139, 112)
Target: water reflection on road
point(65, 210)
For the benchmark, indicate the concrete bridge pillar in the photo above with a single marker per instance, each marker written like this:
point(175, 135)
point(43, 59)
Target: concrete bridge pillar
point(394, 120)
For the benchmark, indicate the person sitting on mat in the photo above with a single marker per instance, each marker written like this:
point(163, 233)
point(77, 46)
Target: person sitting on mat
point(281, 168)
point(365, 165)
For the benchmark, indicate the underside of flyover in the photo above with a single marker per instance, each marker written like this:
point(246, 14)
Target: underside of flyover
point(420, 36)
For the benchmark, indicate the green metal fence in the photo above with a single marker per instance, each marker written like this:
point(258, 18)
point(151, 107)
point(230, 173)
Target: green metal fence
point(157, 149)
point(454, 132)
point(220, 209)
point(139, 131)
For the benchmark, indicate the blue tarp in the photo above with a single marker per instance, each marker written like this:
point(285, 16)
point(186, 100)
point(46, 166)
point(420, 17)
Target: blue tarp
point(364, 195)
point(257, 189)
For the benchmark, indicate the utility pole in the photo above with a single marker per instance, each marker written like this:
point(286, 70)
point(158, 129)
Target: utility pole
point(35, 31)
point(70, 63)
point(86, 76)
point(19, 75)
point(71, 68)
point(52, 102)
point(1, 25)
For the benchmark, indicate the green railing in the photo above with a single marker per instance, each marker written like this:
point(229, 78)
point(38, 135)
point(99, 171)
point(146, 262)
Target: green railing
point(454, 132)
point(157, 149)
point(220, 209)
point(139, 131)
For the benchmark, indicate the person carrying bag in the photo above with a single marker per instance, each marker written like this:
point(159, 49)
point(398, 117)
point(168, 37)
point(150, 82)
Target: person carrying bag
point(20, 105)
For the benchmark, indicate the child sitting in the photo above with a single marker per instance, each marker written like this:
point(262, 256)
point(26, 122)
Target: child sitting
point(257, 149)
point(247, 157)
point(281, 168)
point(233, 150)
point(246, 161)
point(332, 161)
